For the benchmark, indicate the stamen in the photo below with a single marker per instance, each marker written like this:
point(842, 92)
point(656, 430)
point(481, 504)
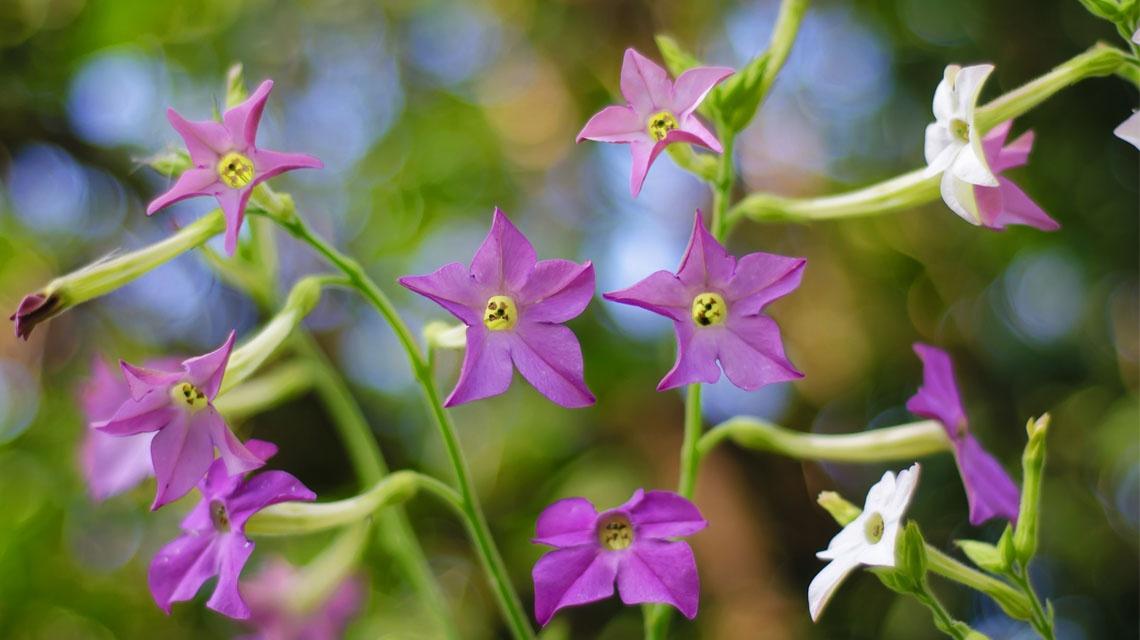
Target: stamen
point(660, 124)
point(219, 517)
point(235, 170)
point(874, 527)
point(615, 532)
point(189, 396)
point(709, 309)
point(960, 129)
point(501, 313)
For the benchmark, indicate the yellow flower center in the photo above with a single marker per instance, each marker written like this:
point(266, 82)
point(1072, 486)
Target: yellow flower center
point(660, 124)
point(615, 533)
point(189, 396)
point(960, 129)
point(219, 517)
point(235, 170)
point(501, 313)
point(709, 309)
point(874, 527)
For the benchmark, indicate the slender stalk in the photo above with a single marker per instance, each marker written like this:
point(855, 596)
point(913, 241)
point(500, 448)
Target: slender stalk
point(476, 522)
point(262, 392)
point(942, 617)
point(293, 518)
point(722, 187)
point(690, 454)
point(1012, 602)
point(1041, 621)
point(784, 34)
point(915, 187)
point(903, 442)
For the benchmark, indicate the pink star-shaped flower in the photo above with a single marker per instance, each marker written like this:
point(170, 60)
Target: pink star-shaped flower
point(657, 112)
point(227, 162)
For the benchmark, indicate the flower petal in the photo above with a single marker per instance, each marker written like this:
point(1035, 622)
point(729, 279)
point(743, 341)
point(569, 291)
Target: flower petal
point(550, 358)
point(487, 369)
point(206, 371)
point(1129, 130)
point(938, 398)
point(696, 356)
point(557, 291)
point(233, 552)
point(644, 83)
point(505, 259)
point(989, 490)
point(264, 489)
point(242, 120)
point(206, 140)
point(193, 182)
point(1015, 207)
point(181, 456)
point(993, 142)
point(944, 102)
point(661, 292)
point(660, 571)
point(142, 381)
point(233, 202)
point(940, 148)
point(268, 164)
point(970, 165)
point(452, 287)
point(114, 464)
point(568, 577)
point(961, 197)
point(617, 123)
point(644, 153)
point(760, 278)
point(567, 523)
point(968, 88)
point(693, 131)
point(825, 583)
point(693, 85)
point(150, 413)
point(179, 569)
point(664, 514)
point(751, 352)
point(237, 458)
point(706, 263)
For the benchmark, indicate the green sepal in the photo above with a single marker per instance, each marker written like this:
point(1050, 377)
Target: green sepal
point(677, 60)
point(738, 97)
point(911, 554)
point(1033, 469)
point(170, 163)
point(843, 511)
point(1005, 547)
point(983, 554)
point(895, 580)
point(235, 86)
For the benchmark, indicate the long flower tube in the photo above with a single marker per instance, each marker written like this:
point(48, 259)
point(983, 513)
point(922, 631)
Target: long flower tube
point(474, 519)
point(917, 187)
point(902, 442)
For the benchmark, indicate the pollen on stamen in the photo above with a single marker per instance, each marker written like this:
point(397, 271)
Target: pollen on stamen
point(501, 313)
point(660, 124)
point(874, 528)
point(709, 309)
point(235, 170)
point(615, 533)
point(189, 396)
point(960, 129)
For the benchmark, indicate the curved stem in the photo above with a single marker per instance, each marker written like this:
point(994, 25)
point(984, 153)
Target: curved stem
point(1010, 601)
point(916, 187)
point(476, 522)
point(293, 518)
point(903, 442)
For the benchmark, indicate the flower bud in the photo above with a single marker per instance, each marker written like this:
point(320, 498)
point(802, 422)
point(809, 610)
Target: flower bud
point(1033, 466)
point(843, 511)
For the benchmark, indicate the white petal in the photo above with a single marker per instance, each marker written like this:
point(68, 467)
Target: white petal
point(968, 87)
point(970, 165)
point(938, 141)
point(882, 553)
point(905, 485)
point(879, 496)
point(959, 196)
point(944, 94)
point(824, 584)
point(848, 541)
point(1129, 130)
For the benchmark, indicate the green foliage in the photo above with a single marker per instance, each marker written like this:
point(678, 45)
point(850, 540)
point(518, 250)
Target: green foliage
point(983, 554)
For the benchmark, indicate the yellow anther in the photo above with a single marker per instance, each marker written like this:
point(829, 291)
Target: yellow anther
point(660, 124)
point(187, 395)
point(501, 313)
point(235, 170)
point(615, 533)
point(960, 129)
point(709, 309)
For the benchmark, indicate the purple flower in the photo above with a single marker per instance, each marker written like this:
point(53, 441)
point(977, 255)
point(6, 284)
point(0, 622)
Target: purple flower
point(715, 303)
point(227, 162)
point(513, 306)
point(112, 464)
point(1005, 204)
point(657, 112)
point(273, 615)
point(630, 544)
point(178, 405)
point(213, 541)
point(34, 309)
point(989, 489)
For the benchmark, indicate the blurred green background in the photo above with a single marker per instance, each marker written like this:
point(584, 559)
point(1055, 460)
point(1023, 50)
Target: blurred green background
point(427, 115)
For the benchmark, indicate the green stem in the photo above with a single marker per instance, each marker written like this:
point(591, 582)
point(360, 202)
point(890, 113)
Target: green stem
point(262, 392)
point(476, 522)
point(942, 617)
point(1013, 603)
point(784, 34)
point(903, 442)
point(690, 455)
point(916, 187)
point(1041, 621)
point(722, 187)
point(294, 518)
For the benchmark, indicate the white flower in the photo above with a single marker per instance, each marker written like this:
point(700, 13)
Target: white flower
point(953, 142)
point(868, 540)
point(1129, 130)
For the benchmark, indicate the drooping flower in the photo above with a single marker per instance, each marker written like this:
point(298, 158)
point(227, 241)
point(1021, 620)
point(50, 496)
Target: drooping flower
point(513, 305)
point(34, 309)
point(1005, 204)
point(953, 142)
point(657, 112)
point(716, 304)
point(275, 617)
point(1129, 130)
point(869, 540)
point(112, 464)
point(213, 541)
point(631, 545)
point(178, 405)
point(227, 162)
point(989, 490)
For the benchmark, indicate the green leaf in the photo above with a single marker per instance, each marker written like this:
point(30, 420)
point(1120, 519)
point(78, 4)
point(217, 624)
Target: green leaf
point(677, 60)
point(1102, 8)
point(983, 554)
point(739, 96)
